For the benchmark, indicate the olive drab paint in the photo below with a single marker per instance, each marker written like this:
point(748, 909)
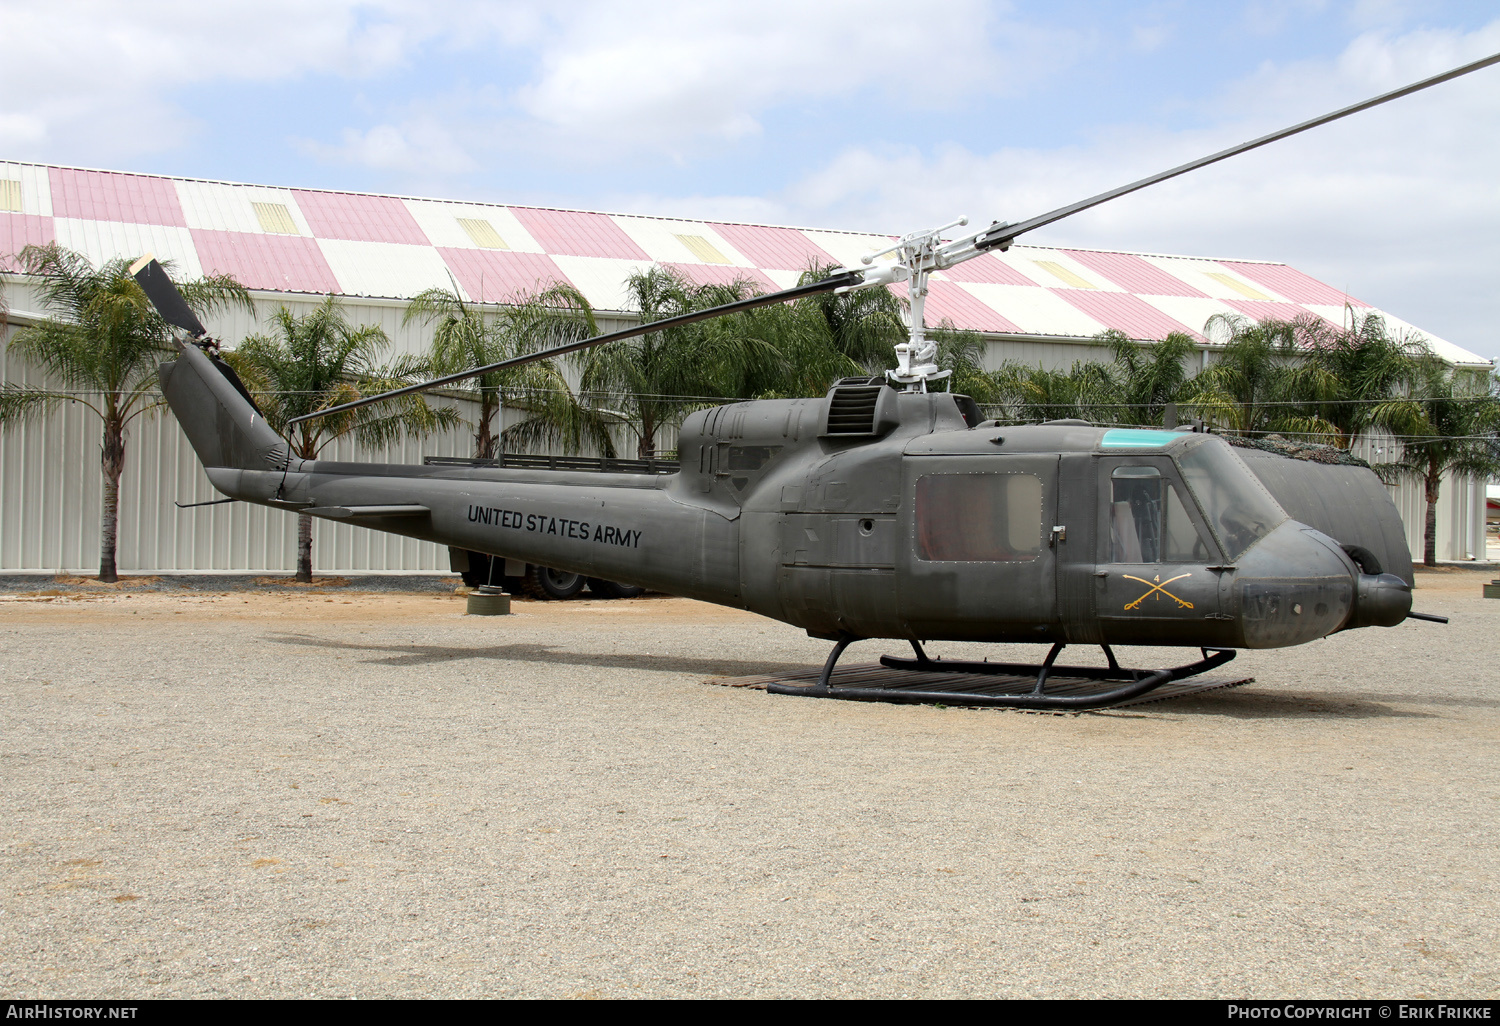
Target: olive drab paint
point(917, 523)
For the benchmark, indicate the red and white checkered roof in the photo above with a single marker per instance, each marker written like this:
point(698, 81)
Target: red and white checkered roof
point(395, 247)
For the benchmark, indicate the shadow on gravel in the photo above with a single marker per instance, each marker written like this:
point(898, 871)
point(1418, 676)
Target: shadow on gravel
point(1236, 703)
point(423, 655)
point(1245, 704)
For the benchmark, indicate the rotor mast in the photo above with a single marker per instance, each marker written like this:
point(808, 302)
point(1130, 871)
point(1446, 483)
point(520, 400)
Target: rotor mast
point(917, 256)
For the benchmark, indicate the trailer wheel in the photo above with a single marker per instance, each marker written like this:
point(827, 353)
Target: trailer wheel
point(544, 583)
point(613, 589)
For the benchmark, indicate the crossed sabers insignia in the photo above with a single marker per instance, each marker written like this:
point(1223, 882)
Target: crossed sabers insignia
point(1158, 585)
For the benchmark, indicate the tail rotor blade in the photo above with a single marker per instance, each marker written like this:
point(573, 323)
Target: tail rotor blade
point(157, 285)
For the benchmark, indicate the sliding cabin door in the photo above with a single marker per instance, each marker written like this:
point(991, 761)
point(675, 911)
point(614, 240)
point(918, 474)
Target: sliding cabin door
point(978, 549)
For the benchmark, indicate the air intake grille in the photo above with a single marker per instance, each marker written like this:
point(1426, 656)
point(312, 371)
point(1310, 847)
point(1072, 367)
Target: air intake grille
point(851, 409)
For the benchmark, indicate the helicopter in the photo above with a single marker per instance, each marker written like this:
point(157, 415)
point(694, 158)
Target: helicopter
point(886, 509)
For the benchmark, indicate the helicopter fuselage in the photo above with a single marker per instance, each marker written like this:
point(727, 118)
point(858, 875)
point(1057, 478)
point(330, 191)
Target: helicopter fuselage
point(878, 513)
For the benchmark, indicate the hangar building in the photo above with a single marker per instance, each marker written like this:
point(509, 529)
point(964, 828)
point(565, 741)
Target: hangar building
point(292, 247)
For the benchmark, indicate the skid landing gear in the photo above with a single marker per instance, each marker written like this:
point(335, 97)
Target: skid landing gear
point(1009, 694)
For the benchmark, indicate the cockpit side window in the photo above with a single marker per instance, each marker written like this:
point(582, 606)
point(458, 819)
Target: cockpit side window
point(979, 517)
point(1148, 522)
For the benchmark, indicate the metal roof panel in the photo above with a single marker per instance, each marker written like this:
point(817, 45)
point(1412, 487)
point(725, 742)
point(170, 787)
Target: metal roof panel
point(257, 260)
point(1022, 262)
point(1262, 310)
point(1055, 267)
point(36, 187)
point(987, 268)
point(577, 233)
point(848, 247)
point(665, 241)
point(722, 274)
point(781, 249)
point(783, 279)
point(439, 222)
point(1198, 274)
point(355, 217)
point(102, 241)
point(602, 279)
point(950, 301)
point(113, 196)
point(498, 275)
point(385, 269)
point(1292, 283)
point(17, 231)
point(1192, 311)
point(1441, 347)
point(1033, 310)
point(1125, 312)
point(231, 208)
point(1133, 273)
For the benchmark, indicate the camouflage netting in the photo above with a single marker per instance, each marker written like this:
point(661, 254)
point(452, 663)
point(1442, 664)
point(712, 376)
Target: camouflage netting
point(1297, 450)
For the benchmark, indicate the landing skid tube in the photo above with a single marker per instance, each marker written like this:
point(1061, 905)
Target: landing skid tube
point(1139, 681)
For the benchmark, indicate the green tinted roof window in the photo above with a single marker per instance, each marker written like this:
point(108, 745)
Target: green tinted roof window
point(1127, 438)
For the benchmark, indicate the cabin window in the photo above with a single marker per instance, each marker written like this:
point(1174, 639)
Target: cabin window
point(979, 517)
point(1148, 522)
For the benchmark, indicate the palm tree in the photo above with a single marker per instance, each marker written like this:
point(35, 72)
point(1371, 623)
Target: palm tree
point(1133, 389)
point(658, 377)
point(465, 337)
point(863, 325)
point(962, 352)
point(1346, 372)
point(105, 348)
point(321, 360)
point(1254, 387)
point(1449, 424)
point(1144, 378)
point(1035, 394)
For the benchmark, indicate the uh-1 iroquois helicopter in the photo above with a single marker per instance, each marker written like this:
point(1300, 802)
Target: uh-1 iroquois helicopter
point(886, 510)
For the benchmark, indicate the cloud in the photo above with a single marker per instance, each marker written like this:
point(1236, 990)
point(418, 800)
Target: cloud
point(84, 77)
point(412, 147)
point(1397, 205)
point(664, 74)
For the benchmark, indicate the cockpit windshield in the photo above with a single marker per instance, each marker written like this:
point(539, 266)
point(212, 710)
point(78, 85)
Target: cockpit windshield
point(1238, 507)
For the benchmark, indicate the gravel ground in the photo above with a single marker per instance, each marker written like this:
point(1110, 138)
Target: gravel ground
point(340, 793)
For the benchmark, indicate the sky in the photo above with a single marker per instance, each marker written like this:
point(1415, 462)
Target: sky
point(870, 116)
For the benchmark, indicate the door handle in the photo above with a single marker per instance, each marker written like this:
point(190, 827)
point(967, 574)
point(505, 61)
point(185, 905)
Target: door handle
point(1059, 533)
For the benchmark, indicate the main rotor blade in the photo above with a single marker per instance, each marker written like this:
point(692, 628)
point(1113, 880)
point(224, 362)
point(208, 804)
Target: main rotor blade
point(157, 285)
point(837, 281)
point(1003, 235)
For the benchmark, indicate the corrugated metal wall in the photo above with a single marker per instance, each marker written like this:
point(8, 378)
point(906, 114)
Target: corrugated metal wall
point(51, 488)
point(1460, 507)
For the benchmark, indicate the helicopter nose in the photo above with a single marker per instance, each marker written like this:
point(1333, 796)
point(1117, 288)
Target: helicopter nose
point(1380, 600)
point(1293, 586)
